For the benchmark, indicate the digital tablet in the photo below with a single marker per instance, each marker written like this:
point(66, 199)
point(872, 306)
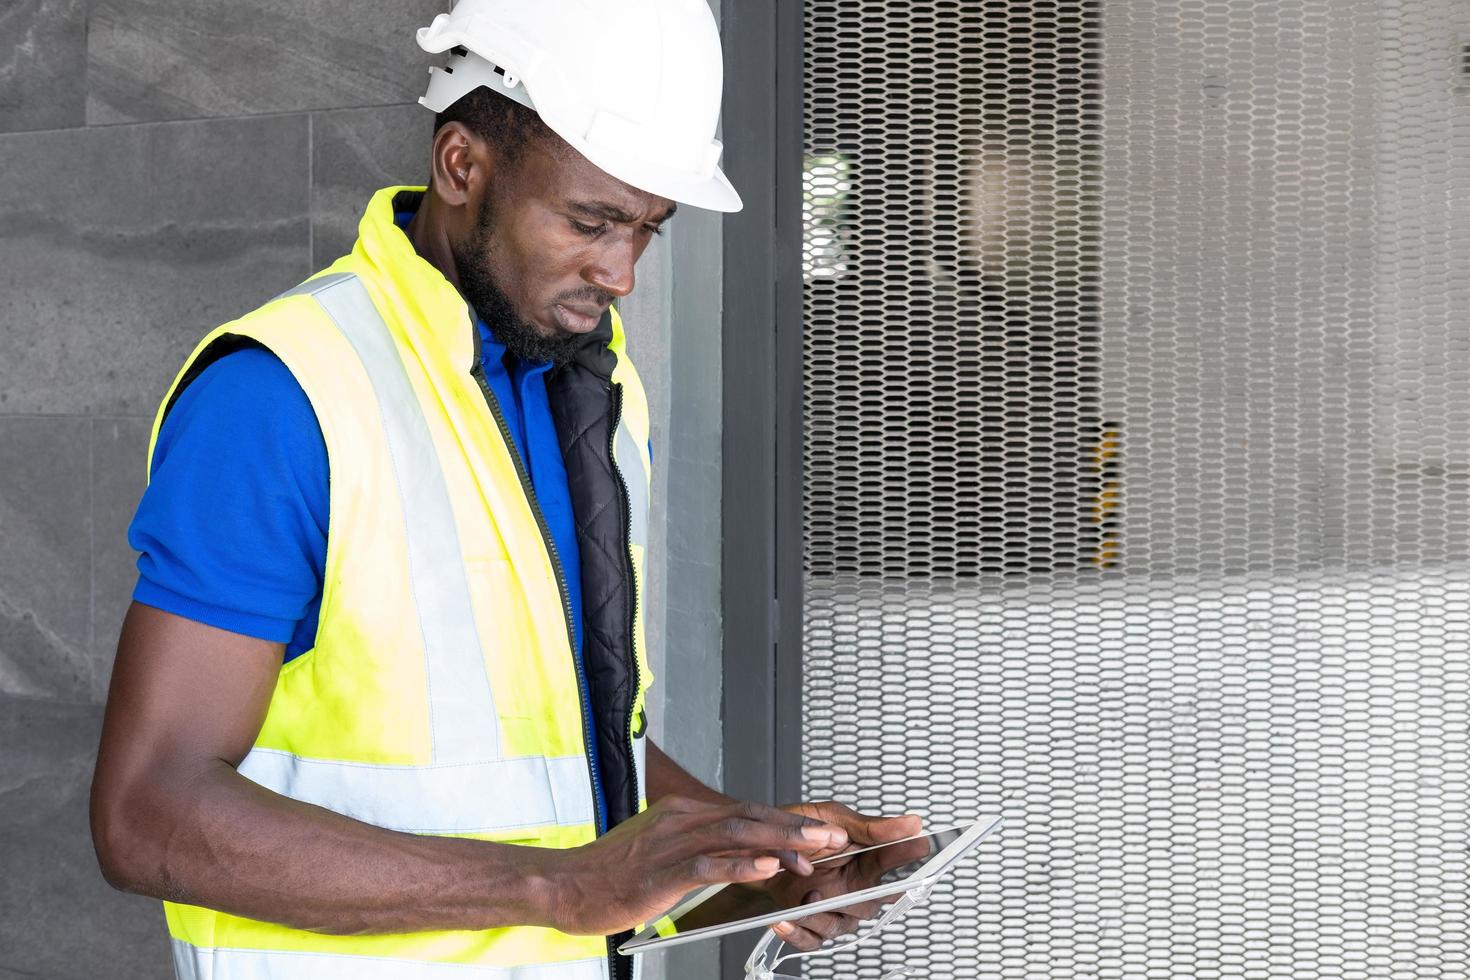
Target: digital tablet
point(854, 882)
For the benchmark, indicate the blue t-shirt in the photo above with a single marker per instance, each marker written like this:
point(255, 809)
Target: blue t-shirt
point(232, 529)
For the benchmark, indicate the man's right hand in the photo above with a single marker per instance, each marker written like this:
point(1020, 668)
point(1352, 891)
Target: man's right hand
point(643, 866)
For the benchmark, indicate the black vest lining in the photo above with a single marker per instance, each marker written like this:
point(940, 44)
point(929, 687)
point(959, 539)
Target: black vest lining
point(583, 407)
point(221, 346)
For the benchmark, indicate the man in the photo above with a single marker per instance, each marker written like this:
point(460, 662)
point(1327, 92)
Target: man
point(378, 706)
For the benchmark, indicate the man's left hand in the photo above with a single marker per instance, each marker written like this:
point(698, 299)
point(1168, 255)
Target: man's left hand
point(862, 829)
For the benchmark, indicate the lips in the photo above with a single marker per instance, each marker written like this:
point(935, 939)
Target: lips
point(577, 319)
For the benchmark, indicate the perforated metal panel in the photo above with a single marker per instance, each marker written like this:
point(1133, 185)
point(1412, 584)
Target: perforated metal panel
point(1137, 446)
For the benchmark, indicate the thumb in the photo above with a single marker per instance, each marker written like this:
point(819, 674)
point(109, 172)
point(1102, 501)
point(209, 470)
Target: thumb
point(893, 828)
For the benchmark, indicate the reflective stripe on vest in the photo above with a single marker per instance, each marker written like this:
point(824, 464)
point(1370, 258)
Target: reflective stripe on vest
point(629, 460)
point(468, 789)
point(461, 706)
point(200, 963)
point(463, 798)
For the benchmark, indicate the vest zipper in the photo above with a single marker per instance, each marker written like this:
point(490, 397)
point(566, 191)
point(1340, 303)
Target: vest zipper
point(623, 968)
point(561, 585)
point(617, 420)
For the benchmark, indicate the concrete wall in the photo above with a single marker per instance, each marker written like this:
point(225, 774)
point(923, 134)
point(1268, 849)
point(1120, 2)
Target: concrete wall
point(677, 349)
point(689, 700)
point(164, 166)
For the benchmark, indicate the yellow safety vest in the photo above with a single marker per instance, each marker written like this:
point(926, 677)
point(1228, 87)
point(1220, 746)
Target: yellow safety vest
point(442, 695)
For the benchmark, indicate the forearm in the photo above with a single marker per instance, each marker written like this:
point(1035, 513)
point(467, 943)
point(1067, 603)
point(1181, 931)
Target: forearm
point(665, 777)
point(219, 840)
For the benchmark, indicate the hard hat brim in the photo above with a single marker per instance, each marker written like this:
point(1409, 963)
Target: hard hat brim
point(713, 193)
point(728, 199)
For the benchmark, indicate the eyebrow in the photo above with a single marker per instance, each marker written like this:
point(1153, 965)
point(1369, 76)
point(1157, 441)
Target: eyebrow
point(611, 212)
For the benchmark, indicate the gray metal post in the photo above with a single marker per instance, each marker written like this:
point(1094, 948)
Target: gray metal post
point(762, 409)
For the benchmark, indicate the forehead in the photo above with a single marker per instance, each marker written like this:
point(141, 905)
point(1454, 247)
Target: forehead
point(562, 175)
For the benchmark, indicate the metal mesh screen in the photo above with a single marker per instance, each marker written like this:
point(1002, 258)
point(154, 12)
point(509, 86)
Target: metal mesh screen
point(1137, 446)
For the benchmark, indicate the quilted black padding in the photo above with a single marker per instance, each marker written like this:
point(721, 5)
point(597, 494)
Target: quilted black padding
point(584, 404)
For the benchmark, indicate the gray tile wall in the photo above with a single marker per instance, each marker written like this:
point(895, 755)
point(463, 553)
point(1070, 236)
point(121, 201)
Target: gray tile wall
point(58, 918)
point(164, 167)
point(167, 165)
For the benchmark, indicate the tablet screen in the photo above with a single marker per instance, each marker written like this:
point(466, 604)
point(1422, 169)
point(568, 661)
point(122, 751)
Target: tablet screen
point(852, 870)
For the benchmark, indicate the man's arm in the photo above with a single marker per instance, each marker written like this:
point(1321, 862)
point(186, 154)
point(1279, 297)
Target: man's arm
point(666, 777)
point(171, 817)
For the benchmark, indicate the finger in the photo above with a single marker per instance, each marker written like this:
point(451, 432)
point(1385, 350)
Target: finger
point(828, 924)
point(881, 829)
point(865, 828)
point(825, 925)
point(794, 862)
point(706, 869)
point(828, 810)
point(751, 810)
point(836, 830)
point(796, 936)
point(870, 865)
point(785, 843)
point(902, 853)
point(863, 910)
point(908, 825)
point(744, 827)
point(797, 864)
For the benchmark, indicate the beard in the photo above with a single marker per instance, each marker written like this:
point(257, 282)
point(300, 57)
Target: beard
point(490, 302)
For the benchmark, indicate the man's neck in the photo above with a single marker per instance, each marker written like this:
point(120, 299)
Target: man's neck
point(431, 241)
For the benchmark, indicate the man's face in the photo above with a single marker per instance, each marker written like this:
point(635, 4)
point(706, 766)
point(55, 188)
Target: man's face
point(555, 241)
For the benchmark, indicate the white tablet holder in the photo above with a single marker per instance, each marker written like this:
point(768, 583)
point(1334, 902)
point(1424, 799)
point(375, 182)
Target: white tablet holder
point(757, 968)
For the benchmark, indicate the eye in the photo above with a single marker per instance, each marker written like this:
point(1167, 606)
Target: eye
point(656, 229)
point(591, 231)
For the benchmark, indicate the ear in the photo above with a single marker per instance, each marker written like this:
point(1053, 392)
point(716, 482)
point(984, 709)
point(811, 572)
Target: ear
point(461, 165)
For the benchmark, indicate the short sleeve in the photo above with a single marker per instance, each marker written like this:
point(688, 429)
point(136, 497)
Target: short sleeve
point(232, 529)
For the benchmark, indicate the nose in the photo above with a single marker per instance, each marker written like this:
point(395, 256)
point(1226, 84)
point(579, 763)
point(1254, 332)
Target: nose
point(612, 270)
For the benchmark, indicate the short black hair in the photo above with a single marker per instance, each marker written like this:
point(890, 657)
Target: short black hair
point(498, 120)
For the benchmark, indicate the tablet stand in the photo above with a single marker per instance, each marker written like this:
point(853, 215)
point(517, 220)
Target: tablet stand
point(757, 968)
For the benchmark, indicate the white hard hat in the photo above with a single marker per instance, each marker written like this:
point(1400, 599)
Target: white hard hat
point(632, 85)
